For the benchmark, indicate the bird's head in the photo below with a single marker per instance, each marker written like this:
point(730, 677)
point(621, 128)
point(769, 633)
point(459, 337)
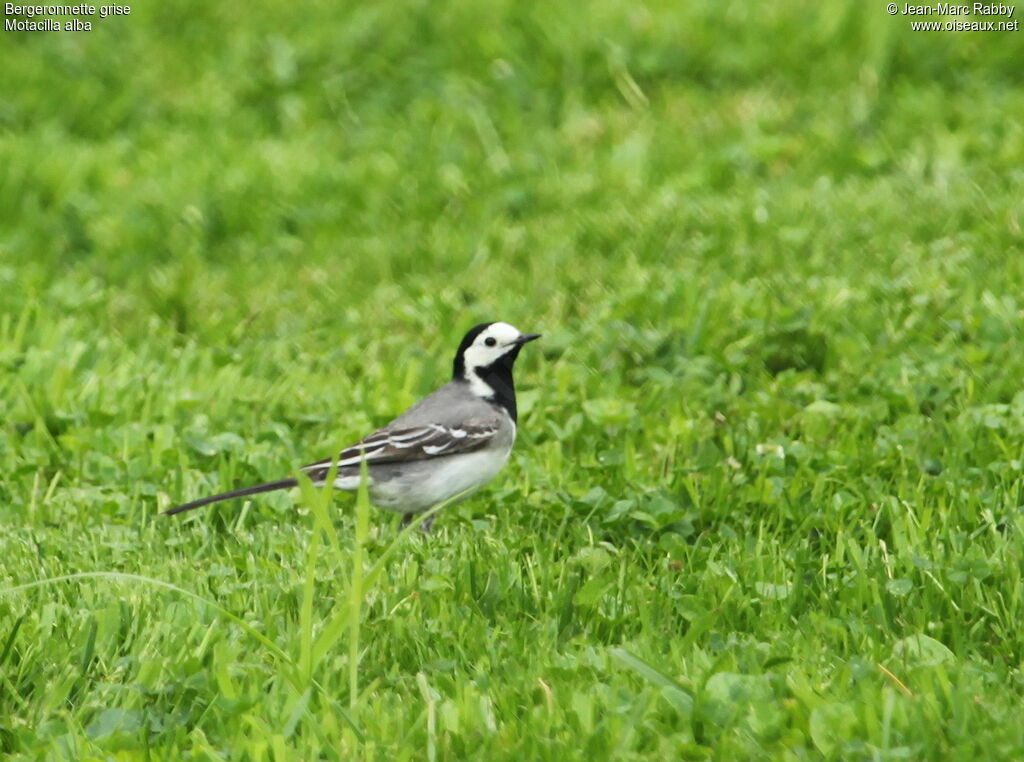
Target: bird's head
point(486, 346)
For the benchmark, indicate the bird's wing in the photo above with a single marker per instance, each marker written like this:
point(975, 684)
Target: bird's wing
point(402, 445)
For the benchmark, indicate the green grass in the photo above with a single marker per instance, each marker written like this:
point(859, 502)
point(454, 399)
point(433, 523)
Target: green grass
point(768, 493)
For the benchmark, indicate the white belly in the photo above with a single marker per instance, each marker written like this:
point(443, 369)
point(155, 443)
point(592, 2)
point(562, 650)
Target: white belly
point(423, 484)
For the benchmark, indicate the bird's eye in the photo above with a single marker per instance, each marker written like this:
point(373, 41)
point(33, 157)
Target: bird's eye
point(490, 341)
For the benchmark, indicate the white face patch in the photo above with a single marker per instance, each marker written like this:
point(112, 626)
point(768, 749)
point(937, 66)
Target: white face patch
point(491, 344)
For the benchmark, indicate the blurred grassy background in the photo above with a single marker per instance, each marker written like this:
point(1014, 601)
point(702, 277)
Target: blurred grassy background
point(234, 236)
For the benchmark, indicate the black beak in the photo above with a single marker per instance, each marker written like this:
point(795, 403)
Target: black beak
point(525, 337)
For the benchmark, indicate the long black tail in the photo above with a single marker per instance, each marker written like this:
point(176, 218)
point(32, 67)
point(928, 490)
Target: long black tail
point(268, 487)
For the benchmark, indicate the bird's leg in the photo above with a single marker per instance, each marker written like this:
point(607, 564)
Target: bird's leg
point(424, 527)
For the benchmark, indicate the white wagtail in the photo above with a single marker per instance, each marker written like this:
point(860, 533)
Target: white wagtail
point(447, 445)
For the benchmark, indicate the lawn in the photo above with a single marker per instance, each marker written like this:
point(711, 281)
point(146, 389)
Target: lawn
point(767, 499)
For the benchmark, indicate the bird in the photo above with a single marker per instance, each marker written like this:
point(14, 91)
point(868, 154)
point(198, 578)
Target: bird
point(444, 447)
